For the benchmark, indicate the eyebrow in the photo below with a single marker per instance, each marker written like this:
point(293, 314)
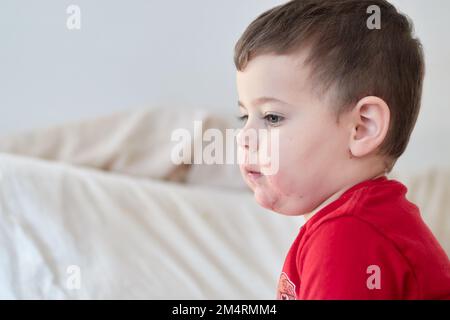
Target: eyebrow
point(263, 100)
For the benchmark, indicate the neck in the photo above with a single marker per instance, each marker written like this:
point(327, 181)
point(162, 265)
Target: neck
point(337, 194)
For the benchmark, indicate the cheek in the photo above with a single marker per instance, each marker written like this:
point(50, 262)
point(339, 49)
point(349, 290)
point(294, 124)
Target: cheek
point(306, 159)
point(288, 181)
point(297, 176)
point(293, 165)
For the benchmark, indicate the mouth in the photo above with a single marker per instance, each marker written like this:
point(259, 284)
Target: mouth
point(253, 174)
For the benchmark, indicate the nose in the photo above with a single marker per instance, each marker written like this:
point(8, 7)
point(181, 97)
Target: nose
point(247, 139)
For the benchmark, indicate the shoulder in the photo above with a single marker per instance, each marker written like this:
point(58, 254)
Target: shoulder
point(342, 253)
point(348, 234)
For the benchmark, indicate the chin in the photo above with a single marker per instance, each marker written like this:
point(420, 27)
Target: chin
point(264, 202)
point(278, 204)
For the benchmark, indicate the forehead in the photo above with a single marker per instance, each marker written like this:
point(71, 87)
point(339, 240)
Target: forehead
point(282, 76)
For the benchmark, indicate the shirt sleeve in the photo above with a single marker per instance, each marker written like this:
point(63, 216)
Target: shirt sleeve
point(346, 258)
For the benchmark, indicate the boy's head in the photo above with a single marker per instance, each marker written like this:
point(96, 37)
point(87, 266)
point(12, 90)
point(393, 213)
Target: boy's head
point(343, 97)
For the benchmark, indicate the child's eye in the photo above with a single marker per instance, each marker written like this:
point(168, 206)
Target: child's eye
point(273, 119)
point(243, 118)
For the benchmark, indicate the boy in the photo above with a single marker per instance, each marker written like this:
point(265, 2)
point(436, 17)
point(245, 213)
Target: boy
point(344, 98)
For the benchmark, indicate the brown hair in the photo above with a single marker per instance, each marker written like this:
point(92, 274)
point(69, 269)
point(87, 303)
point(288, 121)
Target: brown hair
point(346, 54)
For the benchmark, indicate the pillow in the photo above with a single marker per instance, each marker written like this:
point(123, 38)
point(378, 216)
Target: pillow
point(136, 143)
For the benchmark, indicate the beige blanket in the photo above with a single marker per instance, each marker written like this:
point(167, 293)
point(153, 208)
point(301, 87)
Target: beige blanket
point(126, 237)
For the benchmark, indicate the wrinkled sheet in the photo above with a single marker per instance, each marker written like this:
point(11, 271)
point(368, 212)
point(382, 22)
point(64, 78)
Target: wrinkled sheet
point(132, 237)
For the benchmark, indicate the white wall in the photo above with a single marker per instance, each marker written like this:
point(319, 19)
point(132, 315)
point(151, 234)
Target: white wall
point(169, 53)
point(430, 142)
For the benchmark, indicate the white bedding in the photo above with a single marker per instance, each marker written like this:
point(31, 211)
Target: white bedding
point(132, 238)
point(102, 195)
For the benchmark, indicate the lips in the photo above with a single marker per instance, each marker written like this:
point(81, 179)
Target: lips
point(252, 173)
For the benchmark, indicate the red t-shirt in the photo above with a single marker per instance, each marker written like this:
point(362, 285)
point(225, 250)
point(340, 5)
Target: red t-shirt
point(370, 243)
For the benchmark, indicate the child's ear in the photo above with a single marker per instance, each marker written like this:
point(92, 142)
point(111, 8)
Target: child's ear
point(369, 125)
